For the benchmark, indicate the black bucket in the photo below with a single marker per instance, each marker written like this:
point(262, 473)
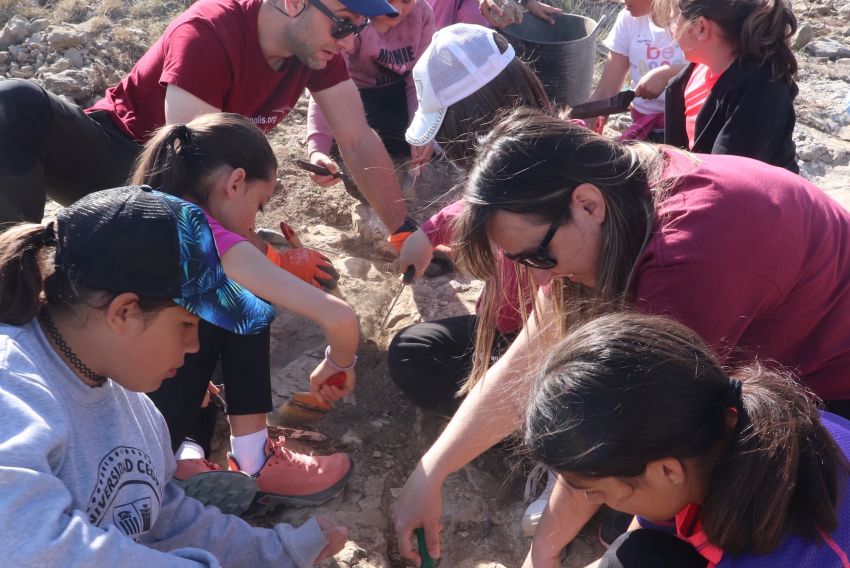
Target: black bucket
point(562, 54)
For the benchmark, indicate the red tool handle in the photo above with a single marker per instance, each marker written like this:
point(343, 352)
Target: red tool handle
point(336, 380)
point(289, 235)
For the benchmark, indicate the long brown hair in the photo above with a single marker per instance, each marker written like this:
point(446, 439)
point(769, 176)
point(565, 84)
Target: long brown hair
point(181, 159)
point(530, 164)
point(626, 389)
point(760, 30)
point(472, 117)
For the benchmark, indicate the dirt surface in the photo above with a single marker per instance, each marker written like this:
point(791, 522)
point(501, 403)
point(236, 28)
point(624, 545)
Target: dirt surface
point(77, 48)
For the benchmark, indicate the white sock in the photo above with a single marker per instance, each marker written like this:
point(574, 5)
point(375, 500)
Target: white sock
point(250, 450)
point(189, 450)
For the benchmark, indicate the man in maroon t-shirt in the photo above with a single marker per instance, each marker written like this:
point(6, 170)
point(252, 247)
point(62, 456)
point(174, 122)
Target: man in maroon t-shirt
point(252, 57)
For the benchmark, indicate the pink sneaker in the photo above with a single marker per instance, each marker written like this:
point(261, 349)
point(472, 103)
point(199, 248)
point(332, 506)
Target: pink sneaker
point(289, 478)
point(231, 491)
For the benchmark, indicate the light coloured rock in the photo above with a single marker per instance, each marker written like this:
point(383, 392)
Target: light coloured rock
point(357, 267)
point(18, 27)
point(63, 37)
point(36, 40)
point(828, 48)
point(58, 66)
point(805, 34)
point(71, 82)
point(19, 74)
point(39, 25)
point(4, 56)
point(75, 56)
point(350, 553)
point(17, 52)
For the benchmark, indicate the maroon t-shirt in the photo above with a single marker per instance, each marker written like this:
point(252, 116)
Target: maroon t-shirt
point(757, 261)
point(213, 51)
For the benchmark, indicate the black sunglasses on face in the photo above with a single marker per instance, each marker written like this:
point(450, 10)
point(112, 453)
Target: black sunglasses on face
point(540, 258)
point(344, 26)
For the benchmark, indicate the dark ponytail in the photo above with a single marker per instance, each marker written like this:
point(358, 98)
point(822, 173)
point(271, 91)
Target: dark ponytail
point(765, 38)
point(780, 474)
point(22, 270)
point(626, 389)
point(181, 158)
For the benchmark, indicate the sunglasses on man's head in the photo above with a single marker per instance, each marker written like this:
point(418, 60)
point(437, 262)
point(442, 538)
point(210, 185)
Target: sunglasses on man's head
point(540, 258)
point(344, 26)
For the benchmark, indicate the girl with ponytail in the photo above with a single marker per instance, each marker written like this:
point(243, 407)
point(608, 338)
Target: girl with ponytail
point(225, 165)
point(635, 412)
point(737, 95)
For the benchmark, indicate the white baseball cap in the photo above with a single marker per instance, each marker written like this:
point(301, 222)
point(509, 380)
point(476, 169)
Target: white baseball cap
point(461, 59)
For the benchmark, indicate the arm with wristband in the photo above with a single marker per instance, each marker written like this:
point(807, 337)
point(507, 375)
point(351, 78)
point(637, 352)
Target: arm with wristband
point(337, 320)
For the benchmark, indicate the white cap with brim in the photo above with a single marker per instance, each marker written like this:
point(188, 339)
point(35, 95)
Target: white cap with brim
point(461, 59)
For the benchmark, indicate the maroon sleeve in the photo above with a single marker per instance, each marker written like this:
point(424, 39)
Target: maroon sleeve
point(438, 228)
point(336, 72)
point(195, 61)
point(718, 302)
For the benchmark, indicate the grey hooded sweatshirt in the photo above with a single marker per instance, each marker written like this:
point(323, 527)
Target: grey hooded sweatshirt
point(84, 478)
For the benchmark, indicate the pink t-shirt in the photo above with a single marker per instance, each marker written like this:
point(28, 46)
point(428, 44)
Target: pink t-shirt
point(378, 60)
point(212, 51)
point(448, 12)
point(224, 238)
point(697, 90)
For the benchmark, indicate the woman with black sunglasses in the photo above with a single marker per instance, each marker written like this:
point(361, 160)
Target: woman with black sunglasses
point(755, 259)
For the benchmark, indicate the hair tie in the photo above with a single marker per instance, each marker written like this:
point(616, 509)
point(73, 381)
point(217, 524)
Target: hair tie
point(734, 397)
point(186, 149)
point(48, 236)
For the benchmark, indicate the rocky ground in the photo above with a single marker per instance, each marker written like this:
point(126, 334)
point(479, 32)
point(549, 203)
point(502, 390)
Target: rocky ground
point(76, 49)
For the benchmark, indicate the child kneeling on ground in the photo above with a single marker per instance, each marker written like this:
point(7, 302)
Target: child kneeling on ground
point(97, 308)
point(737, 470)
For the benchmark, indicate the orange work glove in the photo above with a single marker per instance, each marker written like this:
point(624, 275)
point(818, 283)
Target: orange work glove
point(400, 235)
point(308, 265)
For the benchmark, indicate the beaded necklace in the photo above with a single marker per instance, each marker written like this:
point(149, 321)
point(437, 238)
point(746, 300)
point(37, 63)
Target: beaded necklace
point(66, 350)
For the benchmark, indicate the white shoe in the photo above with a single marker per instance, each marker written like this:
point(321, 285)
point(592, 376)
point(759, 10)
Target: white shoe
point(532, 514)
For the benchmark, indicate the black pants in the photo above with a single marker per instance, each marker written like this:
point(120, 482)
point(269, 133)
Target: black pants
point(386, 113)
point(646, 548)
point(49, 147)
point(247, 383)
point(430, 361)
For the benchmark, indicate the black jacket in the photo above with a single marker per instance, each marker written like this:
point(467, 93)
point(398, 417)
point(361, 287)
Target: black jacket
point(746, 114)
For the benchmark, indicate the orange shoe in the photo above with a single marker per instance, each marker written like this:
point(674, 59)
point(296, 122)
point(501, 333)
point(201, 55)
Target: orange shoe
point(231, 491)
point(289, 478)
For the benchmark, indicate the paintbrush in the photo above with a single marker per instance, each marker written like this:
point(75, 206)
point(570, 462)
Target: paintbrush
point(303, 407)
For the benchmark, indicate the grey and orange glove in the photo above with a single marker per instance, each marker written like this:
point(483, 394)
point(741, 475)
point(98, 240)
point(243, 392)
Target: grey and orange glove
point(408, 227)
point(310, 266)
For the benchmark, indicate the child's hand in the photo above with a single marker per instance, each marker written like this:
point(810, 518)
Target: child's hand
point(324, 160)
point(320, 388)
point(310, 266)
point(543, 11)
point(335, 534)
point(416, 250)
point(652, 84)
point(501, 13)
point(420, 155)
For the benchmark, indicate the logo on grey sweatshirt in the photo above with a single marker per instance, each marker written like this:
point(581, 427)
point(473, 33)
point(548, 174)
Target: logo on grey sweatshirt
point(127, 493)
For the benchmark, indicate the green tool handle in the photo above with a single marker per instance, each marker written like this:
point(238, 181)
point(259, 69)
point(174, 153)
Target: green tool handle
point(427, 561)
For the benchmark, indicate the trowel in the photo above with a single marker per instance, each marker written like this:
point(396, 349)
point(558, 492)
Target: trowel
point(304, 408)
point(603, 107)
